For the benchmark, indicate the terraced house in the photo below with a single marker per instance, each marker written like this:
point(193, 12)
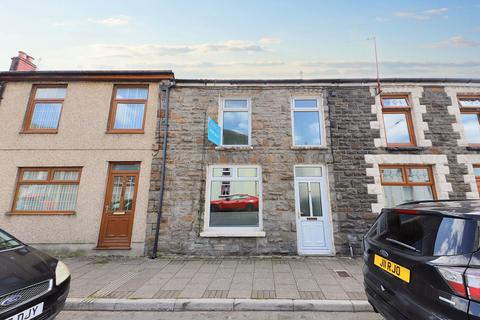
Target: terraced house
point(305, 166)
point(75, 155)
point(107, 160)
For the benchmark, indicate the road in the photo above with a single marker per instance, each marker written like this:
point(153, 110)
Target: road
point(236, 315)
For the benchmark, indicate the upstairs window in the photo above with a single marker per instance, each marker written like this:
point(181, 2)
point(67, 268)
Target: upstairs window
point(44, 109)
point(236, 122)
point(307, 122)
point(470, 112)
point(406, 183)
point(397, 118)
point(46, 191)
point(127, 114)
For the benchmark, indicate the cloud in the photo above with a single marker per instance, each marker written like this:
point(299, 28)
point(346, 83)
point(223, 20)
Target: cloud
point(269, 41)
point(422, 15)
point(115, 21)
point(456, 42)
point(153, 50)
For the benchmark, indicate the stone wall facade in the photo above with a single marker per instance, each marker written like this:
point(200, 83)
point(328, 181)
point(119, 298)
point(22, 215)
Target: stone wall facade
point(355, 148)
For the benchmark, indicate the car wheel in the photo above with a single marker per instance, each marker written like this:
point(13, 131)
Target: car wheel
point(214, 208)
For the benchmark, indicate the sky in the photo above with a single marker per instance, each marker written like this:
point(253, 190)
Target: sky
point(247, 39)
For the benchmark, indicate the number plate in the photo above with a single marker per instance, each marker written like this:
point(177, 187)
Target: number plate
point(392, 268)
point(29, 313)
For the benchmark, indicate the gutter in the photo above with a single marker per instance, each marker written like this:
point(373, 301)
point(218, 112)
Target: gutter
point(165, 88)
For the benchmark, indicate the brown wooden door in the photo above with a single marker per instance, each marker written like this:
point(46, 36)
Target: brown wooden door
point(119, 208)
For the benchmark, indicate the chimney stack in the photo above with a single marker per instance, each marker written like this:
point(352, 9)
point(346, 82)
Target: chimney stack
point(23, 62)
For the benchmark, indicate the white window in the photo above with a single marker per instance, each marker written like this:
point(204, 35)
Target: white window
point(307, 122)
point(235, 121)
point(233, 204)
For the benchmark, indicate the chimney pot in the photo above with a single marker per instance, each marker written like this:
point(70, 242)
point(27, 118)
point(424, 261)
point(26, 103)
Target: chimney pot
point(22, 62)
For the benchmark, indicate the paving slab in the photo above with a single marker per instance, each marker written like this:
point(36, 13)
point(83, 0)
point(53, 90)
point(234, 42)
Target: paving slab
point(254, 278)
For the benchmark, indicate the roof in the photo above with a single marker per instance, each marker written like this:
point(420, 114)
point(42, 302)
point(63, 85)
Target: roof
point(458, 208)
point(91, 75)
point(329, 81)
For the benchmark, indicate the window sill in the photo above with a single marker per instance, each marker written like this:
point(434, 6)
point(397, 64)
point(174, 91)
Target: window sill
point(234, 148)
point(309, 147)
point(232, 234)
point(39, 132)
point(405, 148)
point(125, 132)
point(39, 213)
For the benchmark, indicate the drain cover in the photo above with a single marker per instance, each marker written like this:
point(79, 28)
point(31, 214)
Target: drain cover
point(342, 273)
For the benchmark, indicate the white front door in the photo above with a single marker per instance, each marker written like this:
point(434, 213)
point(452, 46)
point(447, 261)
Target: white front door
point(314, 230)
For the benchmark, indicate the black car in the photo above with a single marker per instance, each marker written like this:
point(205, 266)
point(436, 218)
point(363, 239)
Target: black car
point(33, 285)
point(422, 261)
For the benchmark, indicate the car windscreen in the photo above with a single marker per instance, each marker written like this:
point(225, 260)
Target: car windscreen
point(7, 242)
point(424, 234)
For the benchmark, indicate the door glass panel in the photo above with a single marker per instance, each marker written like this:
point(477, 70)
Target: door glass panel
point(128, 197)
point(316, 199)
point(304, 199)
point(308, 171)
point(126, 167)
point(116, 193)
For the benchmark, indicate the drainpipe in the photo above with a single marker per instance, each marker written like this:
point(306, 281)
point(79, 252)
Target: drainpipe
point(165, 89)
point(3, 84)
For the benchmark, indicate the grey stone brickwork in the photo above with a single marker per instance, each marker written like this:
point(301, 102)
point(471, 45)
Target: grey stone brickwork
point(352, 138)
point(349, 136)
point(183, 209)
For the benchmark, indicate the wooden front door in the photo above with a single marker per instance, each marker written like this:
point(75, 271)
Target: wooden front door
point(119, 207)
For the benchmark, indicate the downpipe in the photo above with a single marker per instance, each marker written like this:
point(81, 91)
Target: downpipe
point(165, 89)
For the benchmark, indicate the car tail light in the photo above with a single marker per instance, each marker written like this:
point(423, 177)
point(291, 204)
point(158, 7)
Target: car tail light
point(454, 277)
point(472, 279)
point(405, 211)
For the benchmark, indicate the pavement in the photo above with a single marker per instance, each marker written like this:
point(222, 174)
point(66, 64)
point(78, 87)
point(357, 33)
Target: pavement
point(333, 284)
point(245, 315)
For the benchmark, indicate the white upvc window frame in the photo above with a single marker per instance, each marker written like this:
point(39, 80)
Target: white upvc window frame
point(321, 118)
point(232, 231)
point(222, 109)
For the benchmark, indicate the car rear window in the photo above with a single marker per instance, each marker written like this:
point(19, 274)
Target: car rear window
point(427, 235)
point(7, 242)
